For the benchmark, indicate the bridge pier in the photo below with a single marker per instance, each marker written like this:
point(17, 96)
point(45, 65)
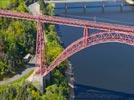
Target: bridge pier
point(84, 8)
point(103, 7)
point(121, 7)
point(44, 81)
point(66, 8)
point(132, 7)
point(39, 81)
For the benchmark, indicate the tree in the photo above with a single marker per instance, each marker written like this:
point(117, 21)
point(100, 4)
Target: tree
point(47, 9)
point(3, 68)
point(53, 92)
point(22, 7)
point(18, 38)
point(53, 50)
point(23, 92)
point(8, 94)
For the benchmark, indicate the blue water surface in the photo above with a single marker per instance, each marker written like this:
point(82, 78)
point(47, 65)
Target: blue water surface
point(104, 71)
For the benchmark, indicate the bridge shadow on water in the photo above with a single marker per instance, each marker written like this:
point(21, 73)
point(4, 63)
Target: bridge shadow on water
point(84, 92)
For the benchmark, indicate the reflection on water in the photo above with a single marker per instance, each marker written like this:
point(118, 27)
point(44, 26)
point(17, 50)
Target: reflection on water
point(83, 92)
point(109, 66)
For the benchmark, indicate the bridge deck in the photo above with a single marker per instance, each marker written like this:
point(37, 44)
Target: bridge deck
point(78, 1)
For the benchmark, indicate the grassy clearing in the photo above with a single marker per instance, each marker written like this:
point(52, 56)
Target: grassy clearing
point(4, 3)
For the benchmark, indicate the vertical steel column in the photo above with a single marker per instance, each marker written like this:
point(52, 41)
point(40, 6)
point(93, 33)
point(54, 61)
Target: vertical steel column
point(65, 8)
point(84, 8)
point(103, 7)
point(40, 44)
point(85, 35)
point(121, 7)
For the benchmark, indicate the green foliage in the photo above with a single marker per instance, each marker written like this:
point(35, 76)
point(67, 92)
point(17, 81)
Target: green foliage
point(18, 5)
point(13, 90)
point(50, 9)
point(8, 94)
point(18, 38)
point(15, 83)
point(22, 7)
point(4, 3)
point(3, 69)
point(47, 9)
point(54, 49)
point(54, 92)
point(18, 92)
point(23, 92)
point(58, 90)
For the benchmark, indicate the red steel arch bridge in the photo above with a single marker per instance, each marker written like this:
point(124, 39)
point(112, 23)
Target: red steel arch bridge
point(108, 33)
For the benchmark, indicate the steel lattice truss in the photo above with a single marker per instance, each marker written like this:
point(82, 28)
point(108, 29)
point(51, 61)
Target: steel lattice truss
point(110, 33)
point(82, 43)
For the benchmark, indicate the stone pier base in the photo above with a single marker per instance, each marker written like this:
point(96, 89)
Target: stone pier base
point(39, 81)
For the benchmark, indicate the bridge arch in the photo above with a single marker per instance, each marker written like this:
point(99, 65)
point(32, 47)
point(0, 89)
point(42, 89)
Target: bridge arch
point(93, 39)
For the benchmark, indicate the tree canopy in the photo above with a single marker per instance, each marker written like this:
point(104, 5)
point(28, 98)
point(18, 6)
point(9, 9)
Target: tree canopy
point(18, 37)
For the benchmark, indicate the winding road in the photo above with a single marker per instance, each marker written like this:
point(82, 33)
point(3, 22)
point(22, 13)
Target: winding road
point(29, 67)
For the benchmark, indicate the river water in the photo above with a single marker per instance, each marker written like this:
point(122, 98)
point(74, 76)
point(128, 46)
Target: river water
point(103, 71)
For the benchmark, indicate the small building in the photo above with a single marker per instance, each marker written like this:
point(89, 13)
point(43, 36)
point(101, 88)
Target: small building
point(27, 58)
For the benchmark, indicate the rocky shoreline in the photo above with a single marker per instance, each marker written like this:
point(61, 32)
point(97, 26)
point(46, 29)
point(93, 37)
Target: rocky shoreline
point(71, 80)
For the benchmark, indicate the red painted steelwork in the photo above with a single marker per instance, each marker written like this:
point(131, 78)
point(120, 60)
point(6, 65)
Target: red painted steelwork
point(97, 38)
point(113, 33)
point(40, 61)
point(69, 22)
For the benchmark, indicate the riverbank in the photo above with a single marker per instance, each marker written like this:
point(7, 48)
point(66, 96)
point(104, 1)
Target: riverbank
point(69, 71)
point(70, 77)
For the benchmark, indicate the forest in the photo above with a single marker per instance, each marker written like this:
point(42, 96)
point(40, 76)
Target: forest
point(17, 38)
